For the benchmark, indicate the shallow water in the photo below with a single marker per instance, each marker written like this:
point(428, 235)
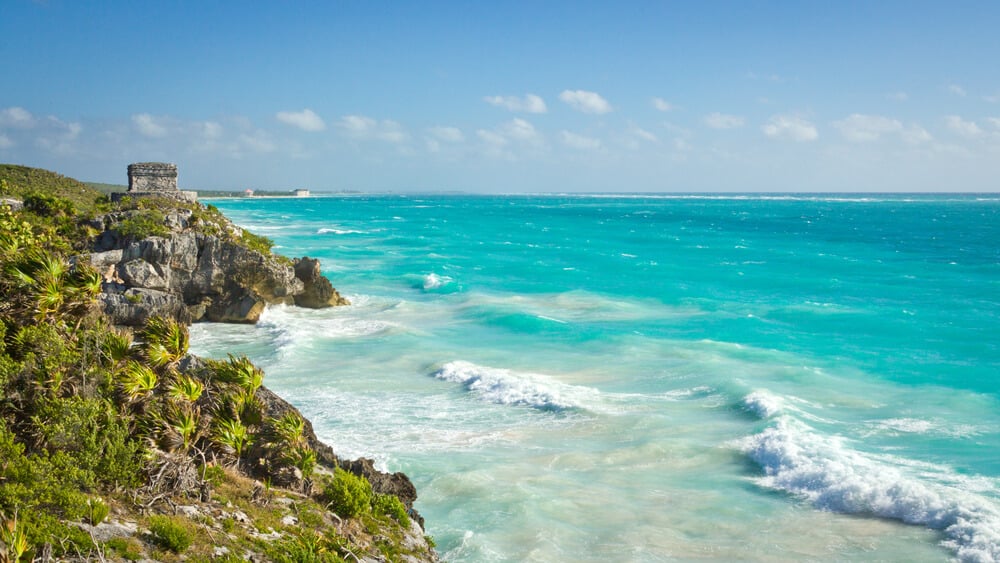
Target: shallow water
point(639, 378)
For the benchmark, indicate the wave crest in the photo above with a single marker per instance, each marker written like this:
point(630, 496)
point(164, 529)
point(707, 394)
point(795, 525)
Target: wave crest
point(832, 476)
point(508, 387)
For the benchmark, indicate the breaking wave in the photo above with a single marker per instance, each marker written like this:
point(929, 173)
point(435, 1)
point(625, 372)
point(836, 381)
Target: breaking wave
point(507, 387)
point(831, 475)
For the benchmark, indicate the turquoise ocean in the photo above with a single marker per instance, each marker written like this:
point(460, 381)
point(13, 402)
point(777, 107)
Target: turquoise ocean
point(655, 378)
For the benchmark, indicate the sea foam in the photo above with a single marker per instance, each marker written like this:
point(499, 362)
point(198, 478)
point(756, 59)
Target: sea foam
point(835, 477)
point(433, 281)
point(507, 387)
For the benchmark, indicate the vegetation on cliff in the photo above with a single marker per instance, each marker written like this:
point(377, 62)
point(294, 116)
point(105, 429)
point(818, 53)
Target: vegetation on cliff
point(117, 444)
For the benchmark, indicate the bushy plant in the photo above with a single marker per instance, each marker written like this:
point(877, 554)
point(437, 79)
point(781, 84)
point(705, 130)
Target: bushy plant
point(390, 505)
point(97, 511)
point(258, 243)
point(170, 533)
point(146, 223)
point(349, 495)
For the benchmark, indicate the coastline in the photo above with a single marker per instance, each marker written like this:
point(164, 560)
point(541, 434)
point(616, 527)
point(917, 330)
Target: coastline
point(188, 455)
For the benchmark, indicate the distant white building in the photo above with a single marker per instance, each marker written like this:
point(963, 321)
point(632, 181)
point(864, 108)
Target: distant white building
point(301, 192)
point(248, 193)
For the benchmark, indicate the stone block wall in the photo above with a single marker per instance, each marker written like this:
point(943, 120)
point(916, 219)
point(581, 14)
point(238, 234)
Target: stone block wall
point(152, 177)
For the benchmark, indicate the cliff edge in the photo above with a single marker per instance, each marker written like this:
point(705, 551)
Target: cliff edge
point(115, 442)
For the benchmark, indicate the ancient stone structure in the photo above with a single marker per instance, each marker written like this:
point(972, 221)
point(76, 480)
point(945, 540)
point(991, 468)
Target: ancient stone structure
point(154, 179)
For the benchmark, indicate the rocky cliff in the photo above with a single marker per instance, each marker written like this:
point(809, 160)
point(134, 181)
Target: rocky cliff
point(196, 268)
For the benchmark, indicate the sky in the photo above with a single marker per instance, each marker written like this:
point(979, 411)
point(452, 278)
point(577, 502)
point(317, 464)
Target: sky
point(509, 97)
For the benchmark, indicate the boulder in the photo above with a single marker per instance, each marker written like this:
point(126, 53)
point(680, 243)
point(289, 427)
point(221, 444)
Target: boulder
point(317, 291)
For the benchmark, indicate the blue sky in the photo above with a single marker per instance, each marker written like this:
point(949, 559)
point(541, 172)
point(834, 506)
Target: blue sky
point(509, 97)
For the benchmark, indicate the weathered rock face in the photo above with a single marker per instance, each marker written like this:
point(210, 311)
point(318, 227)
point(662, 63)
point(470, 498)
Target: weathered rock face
point(193, 276)
point(318, 291)
point(152, 177)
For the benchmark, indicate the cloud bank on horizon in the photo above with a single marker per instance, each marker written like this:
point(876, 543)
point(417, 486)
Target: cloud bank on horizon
point(655, 98)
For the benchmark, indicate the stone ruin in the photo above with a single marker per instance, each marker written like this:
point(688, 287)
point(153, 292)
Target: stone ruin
point(154, 179)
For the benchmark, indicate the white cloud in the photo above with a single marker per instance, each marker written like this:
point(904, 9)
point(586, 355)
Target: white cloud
point(915, 134)
point(449, 134)
point(992, 99)
point(579, 141)
point(16, 117)
point(492, 138)
point(307, 120)
point(898, 96)
point(530, 103)
point(962, 127)
point(437, 135)
point(995, 122)
point(258, 141)
point(718, 120)
point(363, 127)
point(510, 138)
point(859, 128)
point(5, 142)
point(150, 126)
point(586, 102)
point(790, 127)
point(520, 129)
point(662, 105)
point(643, 134)
point(211, 130)
point(956, 89)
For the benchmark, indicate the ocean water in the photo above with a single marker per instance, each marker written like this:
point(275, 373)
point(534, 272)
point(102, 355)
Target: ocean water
point(655, 378)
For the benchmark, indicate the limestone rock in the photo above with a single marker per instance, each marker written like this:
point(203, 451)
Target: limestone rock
point(214, 276)
point(135, 305)
point(318, 292)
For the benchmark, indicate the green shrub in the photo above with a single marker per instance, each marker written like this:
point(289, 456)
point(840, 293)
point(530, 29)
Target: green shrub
point(214, 474)
point(170, 533)
point(349, 495)
point(259, 243)
point(127, 549)
point(390, 505)
point(146, 223)
point(97, 511)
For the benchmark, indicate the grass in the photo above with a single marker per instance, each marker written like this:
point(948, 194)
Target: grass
point(21, 181)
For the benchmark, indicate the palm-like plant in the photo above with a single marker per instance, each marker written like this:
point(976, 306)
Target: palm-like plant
point(303, 457)
point(14, 538)
point(182, 427)
point(186, 388)
point(289, 429)
point(166, 341)
point(231, 435)
point(241, 405)
point(42, 273)
point(116, 346)
point(240, 371)
point(138, 381)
